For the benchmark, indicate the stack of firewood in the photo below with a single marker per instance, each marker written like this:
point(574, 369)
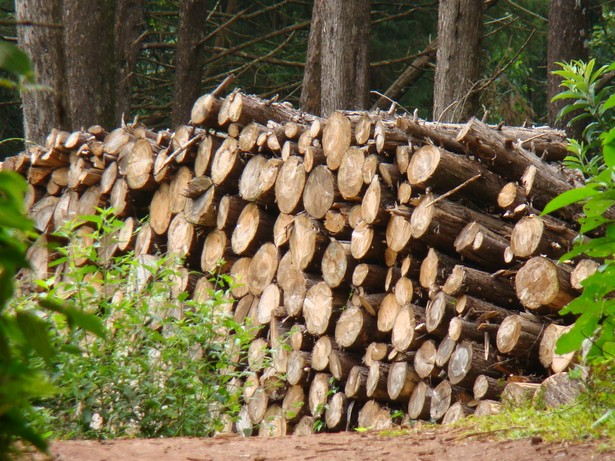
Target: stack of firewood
point(393, 264)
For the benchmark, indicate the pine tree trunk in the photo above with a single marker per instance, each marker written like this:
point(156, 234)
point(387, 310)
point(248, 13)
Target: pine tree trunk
point(189, 57)
point(458, 59)
point(43, 109)
point(345, 64)
point(89, 52)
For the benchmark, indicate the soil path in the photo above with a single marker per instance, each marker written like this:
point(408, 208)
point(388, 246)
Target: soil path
point(420, 446)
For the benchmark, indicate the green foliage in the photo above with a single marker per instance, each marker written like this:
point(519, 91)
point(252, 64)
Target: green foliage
point(168, 366)
point(15, 61)
point(25, 336)
point(594, 156)
point(593, 103)
point(589, 416)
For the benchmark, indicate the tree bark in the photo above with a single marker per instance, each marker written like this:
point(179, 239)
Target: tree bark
point(457, 59)
point(345, 65)
point(568, 39)
point(189, 59)
point(43, 109)
point(89, 50)
point(310, 91)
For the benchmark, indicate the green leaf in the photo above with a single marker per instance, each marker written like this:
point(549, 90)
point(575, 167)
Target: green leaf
point(569, 197)
point(14, 60)
point(35, 331)
point(89, 322)
point(609, 103)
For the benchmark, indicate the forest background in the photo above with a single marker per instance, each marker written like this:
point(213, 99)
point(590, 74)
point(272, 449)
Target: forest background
point(107, 59)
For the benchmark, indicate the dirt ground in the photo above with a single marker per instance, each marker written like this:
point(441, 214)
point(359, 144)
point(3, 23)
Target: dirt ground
point(440, 445)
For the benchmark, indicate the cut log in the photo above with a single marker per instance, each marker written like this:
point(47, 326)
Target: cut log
point(300, 339)
point(205, 111)
point(420, 401)
point(487, 408)
point(376, 200)
point(254, 227)
point(178, 185)
point(239, 274)
point(581, 271)
point(320, 192)
point(376, 352)
point(341, 362)
point(318, 393)
point(425, 360)
point(258, 180)
point(456, 412)
point(548, 357)
point(441, 398)
point(559, 389)
point(227, 166)
point(519, 393)
point(320, 353)
point(404, 290)
point(468, 361)
point(519, 336)
point(369, 276)
point(160, 210)
point(257, 405)
point(479, 310)
point(487, 387)
point(269, 305)
point(273, 383)
point(356, 383)
point(307, 243)
point(258, 353)
point(229, 210)
point(355, 329)
point(263, 268)
point(203, 211)
point(401, 380)
point(442, 171)
point(403, 334)
point(445, 349)
point(289, 185)
point(373, 416)
point(298, 368)
point(139, 166)
point(350, 176)
point(336, 412)
point(321, 307)
point(337, 264)
point(533, 235)
point(438, 223)
point(366, 245)
point(482, 246)
point(387, 313)
point(336, 139)
point(305, 426)
point(541, 283)
point(376, 386)
point(282, 228)
point(398, 233)
point(273, 423)
point(459, 329)
point(492, 288)
point(435, 269)
point(439, 311)
point(294, 405)
point(204, 155)
point(181, 238)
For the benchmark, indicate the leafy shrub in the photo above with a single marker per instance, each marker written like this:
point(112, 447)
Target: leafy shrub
point(595, 157)
point(169, 366)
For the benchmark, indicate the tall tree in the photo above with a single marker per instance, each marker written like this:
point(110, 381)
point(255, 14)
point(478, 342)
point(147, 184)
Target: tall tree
point(129, 25)
point(345, 58)
point(189, 57)
point(90, 62)
point(569, 30)
point(457, 59)
point(43, 109)
point(310, 89)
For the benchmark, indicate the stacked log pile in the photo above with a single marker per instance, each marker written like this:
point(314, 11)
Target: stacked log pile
point(391, 263)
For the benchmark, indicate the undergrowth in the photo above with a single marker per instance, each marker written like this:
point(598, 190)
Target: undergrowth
point(168, 367)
